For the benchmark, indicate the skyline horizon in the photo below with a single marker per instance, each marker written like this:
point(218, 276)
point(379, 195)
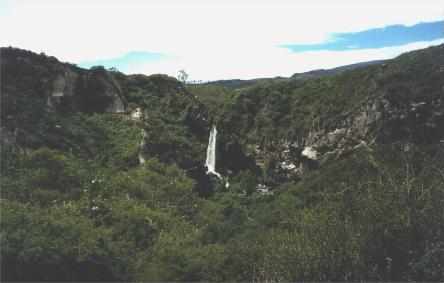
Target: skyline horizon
point(223, 39)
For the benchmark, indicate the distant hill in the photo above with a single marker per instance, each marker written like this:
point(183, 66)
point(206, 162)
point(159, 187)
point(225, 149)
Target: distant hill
point(238, 83)
point(329, 72)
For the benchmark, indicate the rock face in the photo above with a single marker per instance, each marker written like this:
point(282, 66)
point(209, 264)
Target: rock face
point(101, 90)
point(376, 122)
point(61, 86)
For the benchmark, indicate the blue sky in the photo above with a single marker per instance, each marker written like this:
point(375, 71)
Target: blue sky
point(394, 35)
point(221, 39)
point(4, 7)
point(126, 62)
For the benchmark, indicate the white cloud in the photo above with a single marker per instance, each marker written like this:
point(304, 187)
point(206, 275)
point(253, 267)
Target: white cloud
point(211, 39)
point(271, 62)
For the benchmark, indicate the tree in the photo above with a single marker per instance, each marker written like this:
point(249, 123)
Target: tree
point(182, 76)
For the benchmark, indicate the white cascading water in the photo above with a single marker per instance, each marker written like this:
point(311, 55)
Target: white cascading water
point(210, 163)
point(141, 147)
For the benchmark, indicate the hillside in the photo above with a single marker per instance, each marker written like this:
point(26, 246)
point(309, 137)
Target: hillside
point(333, 177)
point(237, 83)
point(398, 102)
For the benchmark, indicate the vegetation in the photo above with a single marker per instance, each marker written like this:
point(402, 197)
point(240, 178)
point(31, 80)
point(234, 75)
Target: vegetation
point(77, 205)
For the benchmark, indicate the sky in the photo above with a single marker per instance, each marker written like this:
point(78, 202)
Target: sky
point(221, 39)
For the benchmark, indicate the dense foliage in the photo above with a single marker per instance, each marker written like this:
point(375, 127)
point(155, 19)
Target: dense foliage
point(77, 205)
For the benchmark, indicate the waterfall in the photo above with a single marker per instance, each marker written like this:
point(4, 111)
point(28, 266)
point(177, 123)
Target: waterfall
point(141, 147)
point(210, 163)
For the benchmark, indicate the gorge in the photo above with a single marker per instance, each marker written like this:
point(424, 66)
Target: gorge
point(335, 176)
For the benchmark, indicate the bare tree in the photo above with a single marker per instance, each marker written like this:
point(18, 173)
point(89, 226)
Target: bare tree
point(182, 76)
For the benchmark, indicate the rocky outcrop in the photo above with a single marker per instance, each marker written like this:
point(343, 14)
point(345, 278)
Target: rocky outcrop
point(61, 86)
point(376, 122)
point(100, 92)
